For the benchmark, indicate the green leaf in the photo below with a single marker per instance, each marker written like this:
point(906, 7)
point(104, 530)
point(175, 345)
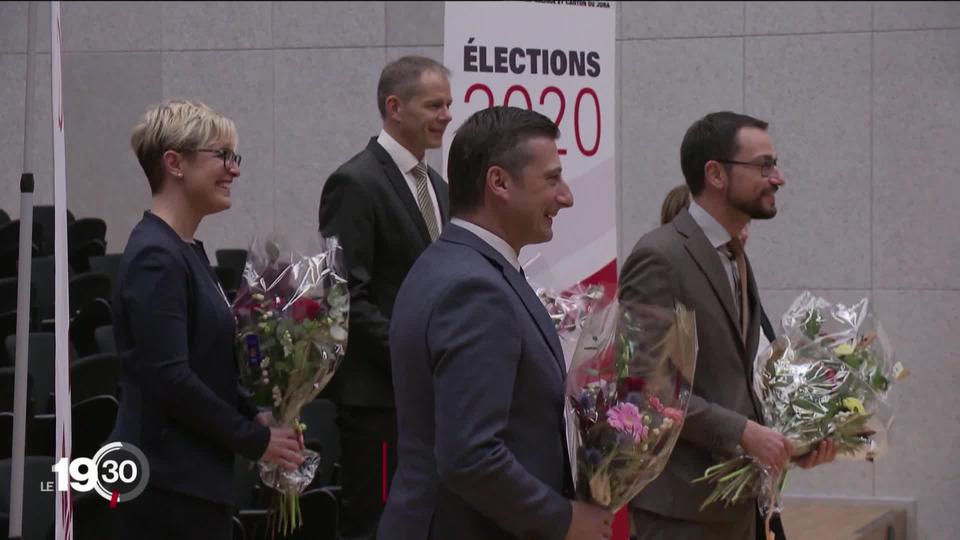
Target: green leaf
point(813, 323)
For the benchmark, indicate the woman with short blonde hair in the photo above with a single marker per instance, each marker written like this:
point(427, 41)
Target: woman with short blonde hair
point(180, 125)
point(175, 332)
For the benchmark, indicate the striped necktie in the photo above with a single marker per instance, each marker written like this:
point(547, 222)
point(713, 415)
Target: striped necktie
point(424, 201)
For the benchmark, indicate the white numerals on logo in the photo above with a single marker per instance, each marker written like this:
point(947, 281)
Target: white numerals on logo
point(83, 473)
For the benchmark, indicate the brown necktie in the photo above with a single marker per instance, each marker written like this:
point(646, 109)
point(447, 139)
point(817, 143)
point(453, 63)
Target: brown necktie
point(736, 248)
point(424, 201)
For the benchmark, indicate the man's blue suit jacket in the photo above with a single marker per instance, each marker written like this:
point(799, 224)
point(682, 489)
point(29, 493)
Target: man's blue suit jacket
point(479, 383)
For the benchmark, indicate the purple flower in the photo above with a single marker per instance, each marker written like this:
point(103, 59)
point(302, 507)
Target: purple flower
point(637, 398)
point(625, 418)
point(592, 456)
point(587, 401)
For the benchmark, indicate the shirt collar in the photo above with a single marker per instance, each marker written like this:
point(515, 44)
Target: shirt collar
point(714, 231)
point(497, 243)
point(404, 159)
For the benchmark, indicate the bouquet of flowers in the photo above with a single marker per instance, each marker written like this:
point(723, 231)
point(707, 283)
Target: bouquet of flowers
point(292, 312)
point(825, 377)
point(629, 385)
point(569, 309)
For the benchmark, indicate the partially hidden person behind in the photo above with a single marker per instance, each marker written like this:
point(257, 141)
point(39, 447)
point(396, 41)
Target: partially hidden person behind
point(385, 205)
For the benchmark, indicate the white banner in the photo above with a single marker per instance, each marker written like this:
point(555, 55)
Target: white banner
point(64, 502)
point(557, 59)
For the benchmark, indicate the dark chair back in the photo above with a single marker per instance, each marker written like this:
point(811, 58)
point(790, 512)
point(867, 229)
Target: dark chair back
point(43, 215)
point(92, 420)
point(92, 376)
point(106, 343)
point(8, 327)
point(6, 437)
point(7, 387)
point(8, 294)
point(10, 246)
point(239, 533)
point(95, 314)
point(38, 505)
point(87, 238)
point(232, 258)
point(86, 229)
point(41, 353)
point(41, 434)
point(42, 278)
point(108, 264)
point(323, 436)
point(93, 519)
point(228, 277)
point(79, 257)
point(86, 288)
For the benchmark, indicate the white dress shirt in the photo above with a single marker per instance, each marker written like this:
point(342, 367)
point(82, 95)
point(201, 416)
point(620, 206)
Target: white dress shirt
point(494, 241)
point(718, 237)
point(406, 162)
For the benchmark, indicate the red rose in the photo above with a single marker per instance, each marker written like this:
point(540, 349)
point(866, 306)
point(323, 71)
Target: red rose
point(305, 309)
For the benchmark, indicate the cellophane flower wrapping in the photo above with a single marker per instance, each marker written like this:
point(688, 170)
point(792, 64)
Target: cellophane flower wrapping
point(827, 376)
point(629, 386)
point(292, 313)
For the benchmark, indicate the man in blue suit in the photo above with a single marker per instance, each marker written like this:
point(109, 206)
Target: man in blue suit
point(478, 370)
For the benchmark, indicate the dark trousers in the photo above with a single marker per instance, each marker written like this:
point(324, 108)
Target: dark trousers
point(365, 435)
point(776, 527)
point(162, 515)
point(651, 526)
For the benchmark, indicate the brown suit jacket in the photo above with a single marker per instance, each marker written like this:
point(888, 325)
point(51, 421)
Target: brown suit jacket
point(677, 263)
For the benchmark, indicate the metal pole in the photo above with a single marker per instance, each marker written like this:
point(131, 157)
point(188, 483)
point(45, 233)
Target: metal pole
point(20, 371)
point(28, 96)
point(15, 529)
point(64, 503)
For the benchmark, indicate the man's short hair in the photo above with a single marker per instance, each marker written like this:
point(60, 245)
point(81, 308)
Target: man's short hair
point(401, 78)
point(494, 136)
point(713, 137)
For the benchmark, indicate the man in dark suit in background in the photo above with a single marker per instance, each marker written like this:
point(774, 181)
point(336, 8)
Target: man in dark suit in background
point(386, 206)
point(730, 166)
point(479, 372)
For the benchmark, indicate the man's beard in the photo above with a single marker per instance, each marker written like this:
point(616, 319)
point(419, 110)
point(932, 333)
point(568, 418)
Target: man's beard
point(755, 208)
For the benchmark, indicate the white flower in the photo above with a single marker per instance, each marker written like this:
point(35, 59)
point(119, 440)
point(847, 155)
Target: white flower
point(265, 362)
point(277, 396)
point(338, 333)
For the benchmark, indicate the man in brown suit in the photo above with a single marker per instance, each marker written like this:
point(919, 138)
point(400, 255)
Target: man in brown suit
point(730, 166)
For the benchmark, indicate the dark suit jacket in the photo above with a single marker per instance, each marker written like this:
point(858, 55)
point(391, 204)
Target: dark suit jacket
point(180, 400)
point(677, 263)
point(480, 382)
point(366, 204)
